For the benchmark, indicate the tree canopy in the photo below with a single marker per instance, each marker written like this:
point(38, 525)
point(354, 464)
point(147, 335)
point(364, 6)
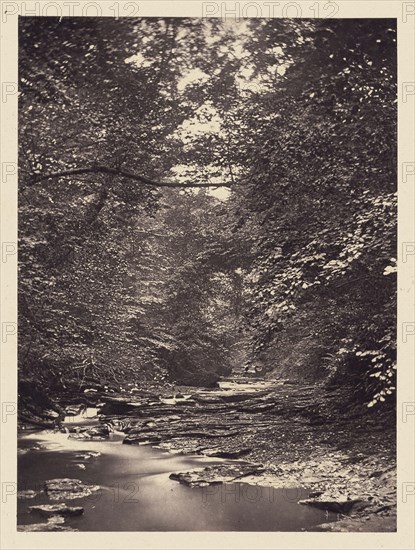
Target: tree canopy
point(127, 271)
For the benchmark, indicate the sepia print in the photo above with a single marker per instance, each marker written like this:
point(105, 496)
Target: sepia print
point(207, 274)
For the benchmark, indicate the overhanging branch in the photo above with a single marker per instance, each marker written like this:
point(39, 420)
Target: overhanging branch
point(120, 172)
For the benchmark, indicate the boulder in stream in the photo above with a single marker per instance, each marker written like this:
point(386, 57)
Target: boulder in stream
point(49, 510)
point(94, 433)
point(221, 473)
point(54, 523)
point(86, 455)
point(61, 489)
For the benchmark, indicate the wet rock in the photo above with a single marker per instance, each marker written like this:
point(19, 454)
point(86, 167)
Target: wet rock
point(314, 494)
point(194, 480)
point(118, 405)
point(237, 397)
point(78, 427)
point(337, 505)
point(96, 433)
point(311, 480)
point(87, 455)
point(54, 523)
point(51, 413)
point(134, 430)
point(65, 488)
point(22, 451)
point(363, 505)
point(256, 406)
point(227, 396)
point(382, 508)
point(142, 439)
point(148, 427)
point(211, 475)
point(368, 524)
point(210, 399)
point(85, 436)
point(116, 423)
point(73, 410)
point(377, 473)
point(166, 419)
point(181, 447)
point(177, 401)
point(222, 453)
point(29, 493)
point(200, 433)
point(49, 510)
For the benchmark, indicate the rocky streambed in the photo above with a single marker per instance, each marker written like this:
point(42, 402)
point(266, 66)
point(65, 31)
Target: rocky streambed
point(273, 435)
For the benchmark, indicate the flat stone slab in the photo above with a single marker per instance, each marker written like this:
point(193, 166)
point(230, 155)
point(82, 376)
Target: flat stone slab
point(49, 510)
point(177, 400)
point(222, 453)
point(338, 505)
point(222, 473)
point(61, 489)
point(146, 438)
point(227, 396)
point(97, 433)
point(54, 523)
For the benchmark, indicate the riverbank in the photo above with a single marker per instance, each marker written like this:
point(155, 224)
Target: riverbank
point(289, 436)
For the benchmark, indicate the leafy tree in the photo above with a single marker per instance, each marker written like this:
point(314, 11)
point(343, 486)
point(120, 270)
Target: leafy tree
point(297, 116)
point(311, 136)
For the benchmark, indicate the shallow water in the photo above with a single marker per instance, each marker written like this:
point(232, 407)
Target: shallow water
point(137, 495)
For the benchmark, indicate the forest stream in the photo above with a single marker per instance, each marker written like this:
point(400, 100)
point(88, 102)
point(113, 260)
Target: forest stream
point(208, 460)
point(136, 493)
point(207, 260)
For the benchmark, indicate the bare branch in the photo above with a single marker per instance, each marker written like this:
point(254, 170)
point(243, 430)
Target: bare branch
point(119, 172)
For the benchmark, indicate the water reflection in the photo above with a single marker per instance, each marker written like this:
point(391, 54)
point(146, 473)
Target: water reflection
point(137, 495)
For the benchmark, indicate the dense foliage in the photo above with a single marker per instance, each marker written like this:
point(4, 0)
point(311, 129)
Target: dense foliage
point(122, 278)
point(325, 194)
